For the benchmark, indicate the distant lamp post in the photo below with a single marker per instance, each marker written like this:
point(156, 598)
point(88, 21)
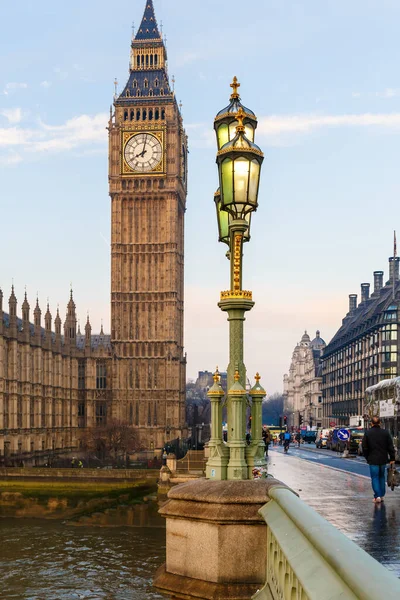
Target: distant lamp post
point(239, 162)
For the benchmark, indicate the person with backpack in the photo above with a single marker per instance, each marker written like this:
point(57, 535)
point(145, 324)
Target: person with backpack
point(378, 449)
point(286, 440)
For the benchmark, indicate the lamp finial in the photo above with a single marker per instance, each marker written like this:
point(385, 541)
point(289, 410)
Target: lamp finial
point(235, 85)
point(257, 377)
point(237, 375)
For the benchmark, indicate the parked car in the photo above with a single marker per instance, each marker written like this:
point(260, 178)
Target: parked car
point(356, 437)
point(308, 437)
point(333, 440)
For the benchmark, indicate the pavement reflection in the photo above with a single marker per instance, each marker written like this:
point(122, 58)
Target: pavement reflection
point(345, 499)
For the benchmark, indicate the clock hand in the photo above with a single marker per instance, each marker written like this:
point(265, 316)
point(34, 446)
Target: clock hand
point(144, 147)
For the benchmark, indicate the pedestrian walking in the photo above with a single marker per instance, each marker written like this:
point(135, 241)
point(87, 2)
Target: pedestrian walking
point(298, 439)
point(378, 449)
point(266, 436)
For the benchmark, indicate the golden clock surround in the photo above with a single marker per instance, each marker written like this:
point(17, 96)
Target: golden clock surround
point(127, 135)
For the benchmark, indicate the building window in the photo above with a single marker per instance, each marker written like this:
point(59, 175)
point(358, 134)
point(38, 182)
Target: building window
point(6, 412)
point(131, 414)
point(101, 376)
point(19, 413)
point(81, 375)
point(31, 413)
point(101, 414)
point(81, 415)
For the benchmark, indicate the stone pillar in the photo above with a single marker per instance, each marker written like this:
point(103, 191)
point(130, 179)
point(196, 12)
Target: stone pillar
point(216, 540)
point(218, 451)
point(255, 453)
point(237, 466)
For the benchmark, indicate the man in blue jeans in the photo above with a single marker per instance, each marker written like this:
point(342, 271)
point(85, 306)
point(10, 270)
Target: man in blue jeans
point(378, 448)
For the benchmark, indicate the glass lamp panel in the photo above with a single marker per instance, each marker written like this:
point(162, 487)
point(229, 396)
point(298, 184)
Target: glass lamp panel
point(249, 130)
point(227, 182)
point(241, 178)
point(232, 129)
point(222, 135)
point(247, 232)
point(223, 224)
point(254, 180)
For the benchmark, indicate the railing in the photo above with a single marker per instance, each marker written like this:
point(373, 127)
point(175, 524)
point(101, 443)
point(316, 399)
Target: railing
point(309, 559)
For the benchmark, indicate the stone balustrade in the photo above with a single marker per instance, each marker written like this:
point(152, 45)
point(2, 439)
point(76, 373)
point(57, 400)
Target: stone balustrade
point(309, 559)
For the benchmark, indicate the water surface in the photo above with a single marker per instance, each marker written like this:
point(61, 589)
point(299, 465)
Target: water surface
point(46, 560)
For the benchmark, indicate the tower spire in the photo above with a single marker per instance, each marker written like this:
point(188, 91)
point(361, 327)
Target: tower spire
point(148, 29)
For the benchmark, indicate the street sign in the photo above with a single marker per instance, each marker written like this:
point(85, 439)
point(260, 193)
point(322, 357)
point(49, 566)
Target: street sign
point(343, 435)
point(386, 408)
point(332, 424)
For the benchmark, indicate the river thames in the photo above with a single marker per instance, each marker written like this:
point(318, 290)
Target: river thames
point(47, 560)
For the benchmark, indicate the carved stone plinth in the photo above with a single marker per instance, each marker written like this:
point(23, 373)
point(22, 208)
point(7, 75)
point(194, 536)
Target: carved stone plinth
point(216, 540)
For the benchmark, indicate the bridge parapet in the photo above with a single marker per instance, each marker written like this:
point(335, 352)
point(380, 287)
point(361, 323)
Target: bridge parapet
point(309, 559)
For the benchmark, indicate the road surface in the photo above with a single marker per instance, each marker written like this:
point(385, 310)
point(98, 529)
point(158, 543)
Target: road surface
point(340, 490)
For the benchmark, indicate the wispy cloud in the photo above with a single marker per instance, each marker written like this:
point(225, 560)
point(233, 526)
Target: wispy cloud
point(81, 132)
point(279, 130)
point(187, 58)
point(11, 159)
point(277, 126)
point(61, 74)
point(387, 93)
point(46, 84)
point(13, 115)
point(12, 86)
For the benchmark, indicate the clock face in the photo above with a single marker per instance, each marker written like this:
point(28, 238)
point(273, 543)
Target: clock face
point(143, 152)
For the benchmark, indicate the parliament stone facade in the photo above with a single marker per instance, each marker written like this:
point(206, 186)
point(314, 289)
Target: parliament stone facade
point(55, 381)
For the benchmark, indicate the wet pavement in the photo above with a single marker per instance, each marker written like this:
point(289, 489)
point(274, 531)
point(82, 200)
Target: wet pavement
point(340, 490)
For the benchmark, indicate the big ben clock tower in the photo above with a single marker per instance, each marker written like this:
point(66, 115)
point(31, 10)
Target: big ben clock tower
point(148, 186)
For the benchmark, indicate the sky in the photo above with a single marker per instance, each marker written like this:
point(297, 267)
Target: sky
point(324, 81)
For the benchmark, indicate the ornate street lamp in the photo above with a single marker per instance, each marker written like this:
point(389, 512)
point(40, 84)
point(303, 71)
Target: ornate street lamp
point(239, 162)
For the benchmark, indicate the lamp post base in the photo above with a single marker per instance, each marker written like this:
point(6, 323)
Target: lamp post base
point(237, 466)
point(217, 464)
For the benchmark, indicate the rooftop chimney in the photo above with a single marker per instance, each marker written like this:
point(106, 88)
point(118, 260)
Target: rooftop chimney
point(352, 302)
point(378, 281)
point(394, 268)
point(364, 292)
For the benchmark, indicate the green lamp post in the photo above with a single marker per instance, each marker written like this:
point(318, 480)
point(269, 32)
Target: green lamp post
point(239, 162)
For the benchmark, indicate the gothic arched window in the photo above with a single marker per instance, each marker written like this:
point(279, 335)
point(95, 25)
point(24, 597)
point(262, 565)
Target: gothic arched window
point(157, 114)
point(126, 115)
point(132, 115)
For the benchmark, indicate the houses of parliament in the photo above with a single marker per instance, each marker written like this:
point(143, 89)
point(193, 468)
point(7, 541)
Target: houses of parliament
point(55, 380)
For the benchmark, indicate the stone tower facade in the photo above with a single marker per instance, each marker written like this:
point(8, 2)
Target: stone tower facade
point(55, 385)
point(148, 186)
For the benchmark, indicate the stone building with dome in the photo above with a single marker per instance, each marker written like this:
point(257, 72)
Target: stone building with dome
point(302, 385)
point(54, 384)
